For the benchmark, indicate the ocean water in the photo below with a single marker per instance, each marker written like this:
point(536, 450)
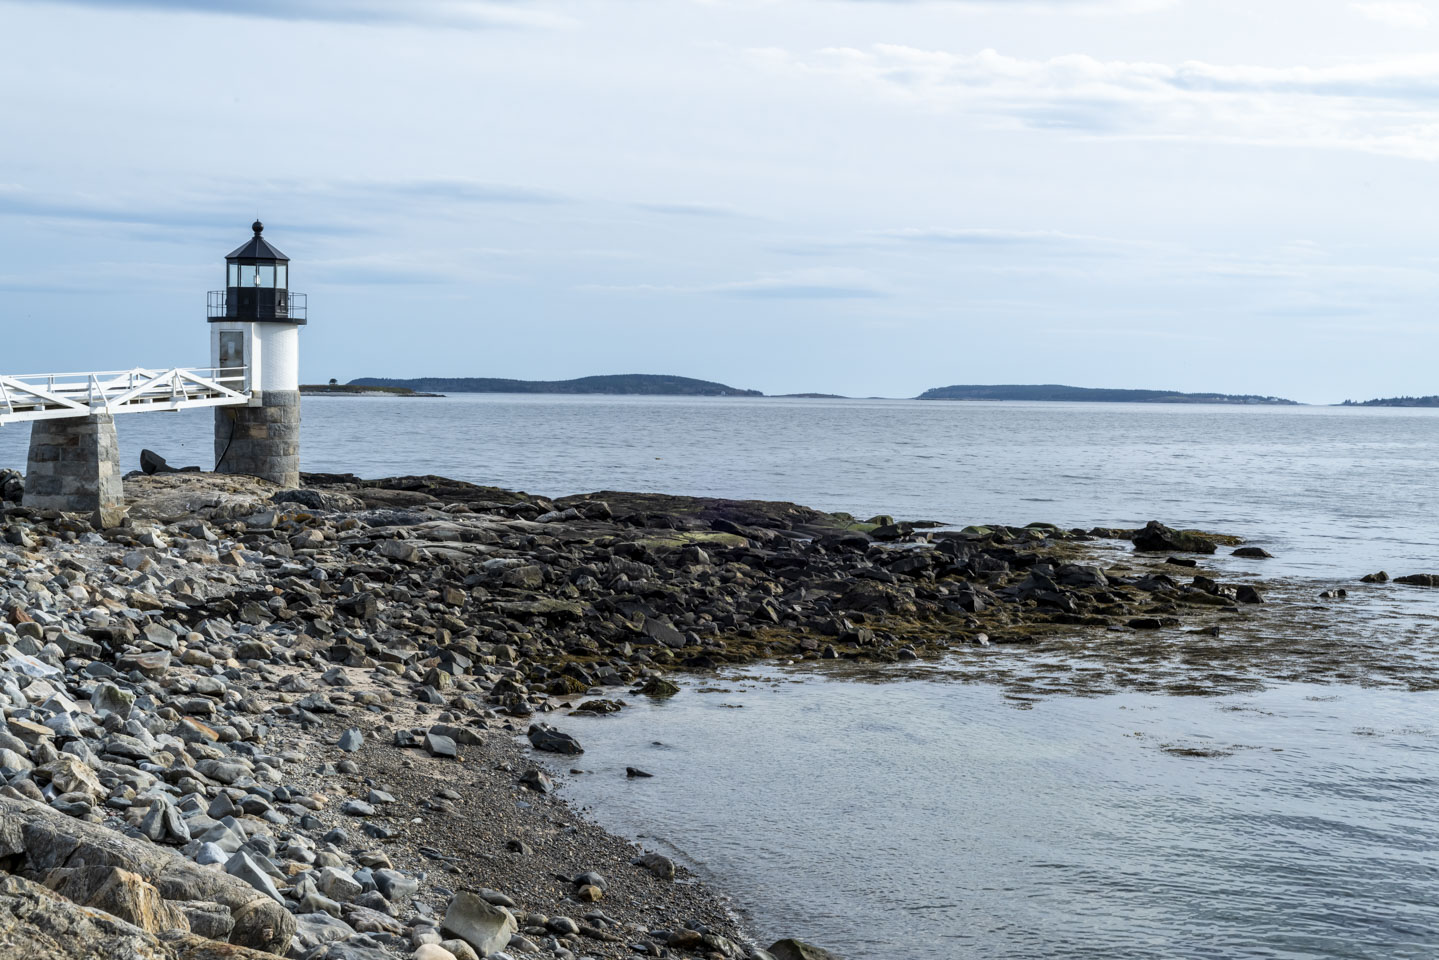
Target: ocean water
point(1330, 491)
point(931, 820)
point(942, 814)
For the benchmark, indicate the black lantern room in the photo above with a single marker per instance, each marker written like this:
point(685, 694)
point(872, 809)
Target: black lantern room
point(257, 285)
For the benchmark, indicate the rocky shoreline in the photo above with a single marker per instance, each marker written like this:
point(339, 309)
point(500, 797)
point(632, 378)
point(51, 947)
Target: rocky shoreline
point(302, 722)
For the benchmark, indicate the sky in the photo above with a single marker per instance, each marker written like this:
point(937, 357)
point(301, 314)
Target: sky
point(863, 197)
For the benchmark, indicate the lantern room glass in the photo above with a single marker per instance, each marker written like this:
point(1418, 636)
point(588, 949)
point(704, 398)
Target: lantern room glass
point(266, 276)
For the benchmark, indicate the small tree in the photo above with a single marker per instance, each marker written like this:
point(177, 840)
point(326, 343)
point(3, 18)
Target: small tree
point(333, 381)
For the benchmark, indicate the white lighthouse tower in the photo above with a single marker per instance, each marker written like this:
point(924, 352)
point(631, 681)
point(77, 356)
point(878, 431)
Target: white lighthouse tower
point(255, 328)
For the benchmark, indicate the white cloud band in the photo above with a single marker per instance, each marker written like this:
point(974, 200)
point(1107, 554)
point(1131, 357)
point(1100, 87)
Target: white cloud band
point(1386, 106)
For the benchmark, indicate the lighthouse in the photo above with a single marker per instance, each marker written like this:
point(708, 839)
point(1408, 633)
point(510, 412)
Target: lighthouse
point(255, 333)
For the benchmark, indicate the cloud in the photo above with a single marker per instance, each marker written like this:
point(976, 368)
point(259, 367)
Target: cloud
point(776, 290)
point(1395, 13)
point(1080, 7)
point(17, 201)
point(1091, 7)
point(1384, 106)
point(310, 207)
point(1051, 243)
point(377, 271)
point(985, 237)
point(454, 189)
point(469, 14)
point(691, 209)
point(816, 284)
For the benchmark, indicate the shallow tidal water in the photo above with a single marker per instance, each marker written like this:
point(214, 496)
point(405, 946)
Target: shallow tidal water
point(1014, 803)
point(932, 820)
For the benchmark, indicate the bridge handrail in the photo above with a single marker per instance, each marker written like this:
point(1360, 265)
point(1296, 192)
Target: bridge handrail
point(41, 396)
point(133, 371)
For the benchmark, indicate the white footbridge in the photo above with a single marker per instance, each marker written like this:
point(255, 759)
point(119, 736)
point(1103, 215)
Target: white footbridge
point(51, 396)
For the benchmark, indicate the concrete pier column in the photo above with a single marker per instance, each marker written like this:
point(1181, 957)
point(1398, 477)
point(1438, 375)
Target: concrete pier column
point(74, 465)
point(261, 440)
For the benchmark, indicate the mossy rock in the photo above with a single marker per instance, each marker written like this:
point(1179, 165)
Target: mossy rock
point(1220, 539)
point(600, 706)
point(675, 541)
point(859, 527)
point(659, 688)
point(565, 686)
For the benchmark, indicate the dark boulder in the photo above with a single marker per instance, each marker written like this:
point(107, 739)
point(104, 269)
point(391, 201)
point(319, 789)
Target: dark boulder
point(1244, 593)
point(12, 486)
point(151, 463)
point(659, 688)
point(550, 740)
point(1157, 537)
point(790, 949)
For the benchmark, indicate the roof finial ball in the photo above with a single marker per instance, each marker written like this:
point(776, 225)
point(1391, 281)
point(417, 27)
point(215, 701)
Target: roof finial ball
point(258, 227)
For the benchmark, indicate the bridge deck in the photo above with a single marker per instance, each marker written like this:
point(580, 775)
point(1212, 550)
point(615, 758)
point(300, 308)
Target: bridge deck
point(49, 396)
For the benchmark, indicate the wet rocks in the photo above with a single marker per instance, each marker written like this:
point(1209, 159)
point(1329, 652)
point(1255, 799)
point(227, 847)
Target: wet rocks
point(1258, 553)
point(547, 738)
point(1419, 580)
point(1159, 538)
point(790, 949)
point(658, 865)
point(1245, 593)
point(658, 688)
point(600, 706)
point(1380, 577)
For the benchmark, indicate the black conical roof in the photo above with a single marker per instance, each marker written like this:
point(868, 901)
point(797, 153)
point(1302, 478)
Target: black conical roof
point(256, 248)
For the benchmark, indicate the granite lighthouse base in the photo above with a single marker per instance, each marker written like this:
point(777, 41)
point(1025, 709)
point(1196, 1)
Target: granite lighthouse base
point(74, 466)
point(261, 440)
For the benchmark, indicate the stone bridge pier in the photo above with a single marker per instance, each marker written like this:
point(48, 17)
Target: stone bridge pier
point(74, 465)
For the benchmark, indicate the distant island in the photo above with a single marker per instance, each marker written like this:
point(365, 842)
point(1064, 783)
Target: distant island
point(1394, 402)
point(1053, 391)
point(351, 390)
point(625, 384)
point(653, 385)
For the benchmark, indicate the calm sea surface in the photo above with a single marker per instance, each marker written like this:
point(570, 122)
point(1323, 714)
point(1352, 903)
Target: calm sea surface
point(929, 818)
